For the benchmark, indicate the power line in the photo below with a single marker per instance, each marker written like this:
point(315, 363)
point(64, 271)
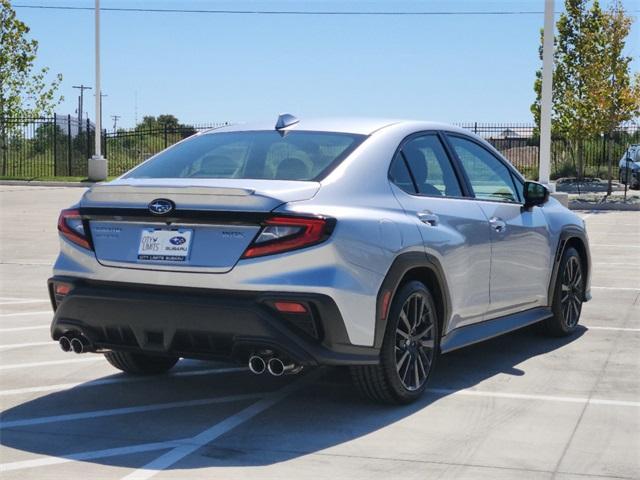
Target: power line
point(287, 12)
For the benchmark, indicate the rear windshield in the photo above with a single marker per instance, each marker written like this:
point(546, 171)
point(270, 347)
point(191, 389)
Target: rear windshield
point(270, 155)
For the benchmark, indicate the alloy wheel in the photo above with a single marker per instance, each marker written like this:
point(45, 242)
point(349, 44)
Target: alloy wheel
point(415, 341)
point(571, 295)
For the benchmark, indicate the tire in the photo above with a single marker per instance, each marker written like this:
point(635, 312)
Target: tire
point(408, 355)
point(140, 363)
point(567, 296)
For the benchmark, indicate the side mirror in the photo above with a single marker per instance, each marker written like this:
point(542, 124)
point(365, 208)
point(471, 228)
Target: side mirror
point(535, 194)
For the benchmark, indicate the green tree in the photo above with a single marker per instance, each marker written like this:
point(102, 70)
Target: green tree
point(592, 89)
point(24, 90)
point(617, 96)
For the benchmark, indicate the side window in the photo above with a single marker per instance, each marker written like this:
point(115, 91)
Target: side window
point(431, 172)
point(489, 177)
point(399, 174)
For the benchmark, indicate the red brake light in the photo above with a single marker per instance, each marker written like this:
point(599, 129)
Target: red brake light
point(71, 227)
point(282, 234)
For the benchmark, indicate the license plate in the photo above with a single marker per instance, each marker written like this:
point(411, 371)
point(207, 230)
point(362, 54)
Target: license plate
point(164, 245)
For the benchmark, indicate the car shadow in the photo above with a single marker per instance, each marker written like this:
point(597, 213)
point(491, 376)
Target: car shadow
point(323, 413)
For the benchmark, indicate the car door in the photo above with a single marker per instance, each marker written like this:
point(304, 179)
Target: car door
point(520, 246)
point(453, 228)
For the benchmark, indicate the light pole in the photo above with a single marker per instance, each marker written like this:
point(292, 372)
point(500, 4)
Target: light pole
point(97, 163)
point(546, 96)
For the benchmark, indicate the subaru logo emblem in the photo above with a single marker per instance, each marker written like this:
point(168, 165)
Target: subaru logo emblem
point(161, 206)
point(177, 240)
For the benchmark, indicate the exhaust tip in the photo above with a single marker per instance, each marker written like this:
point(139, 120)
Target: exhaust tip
point(257, 364)
point(77, 346)
point(276, 367)
point(65, 344)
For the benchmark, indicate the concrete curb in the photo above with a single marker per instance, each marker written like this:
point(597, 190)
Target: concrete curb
point(39, 183)
point(621, 207)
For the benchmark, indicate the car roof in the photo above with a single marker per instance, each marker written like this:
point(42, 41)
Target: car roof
point(355, 125)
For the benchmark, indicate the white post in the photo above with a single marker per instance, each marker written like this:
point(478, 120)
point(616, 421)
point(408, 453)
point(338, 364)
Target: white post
point(97, 163)
point(547, 95)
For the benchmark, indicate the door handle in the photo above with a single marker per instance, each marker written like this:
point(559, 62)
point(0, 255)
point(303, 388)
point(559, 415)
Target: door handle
point(428, 218)
point(498, 224)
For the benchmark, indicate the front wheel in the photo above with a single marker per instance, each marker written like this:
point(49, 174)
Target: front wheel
point(140, 363)
point(567, 296)
point(409, 349)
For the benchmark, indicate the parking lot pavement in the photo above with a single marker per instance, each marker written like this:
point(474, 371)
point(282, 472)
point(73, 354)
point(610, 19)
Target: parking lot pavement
point(519, 406)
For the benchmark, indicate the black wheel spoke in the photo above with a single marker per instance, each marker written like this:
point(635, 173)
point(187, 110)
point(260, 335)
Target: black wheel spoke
point(571, 292)
point(414, 341)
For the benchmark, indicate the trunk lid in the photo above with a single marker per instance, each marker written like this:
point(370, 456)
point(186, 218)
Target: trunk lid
point(210, 226)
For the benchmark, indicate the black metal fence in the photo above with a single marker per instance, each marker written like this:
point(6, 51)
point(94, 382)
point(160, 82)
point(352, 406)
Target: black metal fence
point(60, 146)
point(44, 147)
point(520, 144)
point(127, 148)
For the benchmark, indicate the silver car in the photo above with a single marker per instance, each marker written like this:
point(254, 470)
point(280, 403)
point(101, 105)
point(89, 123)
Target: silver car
point(372, 244)
point(629, 166)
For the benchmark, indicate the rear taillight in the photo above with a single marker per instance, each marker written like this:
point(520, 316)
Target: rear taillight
point(282, 234)
point(71, 227)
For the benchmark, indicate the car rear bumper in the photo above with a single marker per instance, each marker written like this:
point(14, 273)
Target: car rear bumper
point(203, 323)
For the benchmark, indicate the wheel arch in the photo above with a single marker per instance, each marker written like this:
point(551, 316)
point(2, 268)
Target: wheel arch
point(576, 238)
point(405, 268)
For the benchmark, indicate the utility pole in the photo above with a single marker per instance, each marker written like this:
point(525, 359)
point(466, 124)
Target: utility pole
point(115, 121)
point(97, 163)
point(547, 94)
point(82, 88)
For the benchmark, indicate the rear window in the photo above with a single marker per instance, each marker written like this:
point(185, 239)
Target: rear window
point(270, 155)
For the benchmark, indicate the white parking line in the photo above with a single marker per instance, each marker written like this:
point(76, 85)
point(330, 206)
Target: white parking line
point(617, 288)
point(153, 407)
point(78, 457)
point(52, 362)
point(11, 346)
point(122, 379)
point(613, 245)
point(19, 302)
point(22, 329)
point(210, 434)
point(616, 264)
point(550, 398)
point(613, 329)
point(189, 445)
point(24, 314)
point(2, 299)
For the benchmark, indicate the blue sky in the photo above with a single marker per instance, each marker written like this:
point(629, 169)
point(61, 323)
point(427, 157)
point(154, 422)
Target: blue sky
point(205, 68)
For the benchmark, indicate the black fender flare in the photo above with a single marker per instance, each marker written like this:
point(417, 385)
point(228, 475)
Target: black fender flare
point(567, 234)
point(402, 264)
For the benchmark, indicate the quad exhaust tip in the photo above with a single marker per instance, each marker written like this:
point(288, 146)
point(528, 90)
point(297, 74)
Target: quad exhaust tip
point(257, 364)
point(77, 346)
point(260, 363)
point(72, 343)
point(277, 367)
point(65, 344)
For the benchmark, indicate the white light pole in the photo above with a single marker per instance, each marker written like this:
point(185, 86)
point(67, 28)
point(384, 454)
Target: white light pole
point(547, 95)
point(97, 163)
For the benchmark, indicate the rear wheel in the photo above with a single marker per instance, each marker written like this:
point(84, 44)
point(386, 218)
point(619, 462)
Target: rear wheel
point(568, 295)
point(409, 350)
point(140, 363)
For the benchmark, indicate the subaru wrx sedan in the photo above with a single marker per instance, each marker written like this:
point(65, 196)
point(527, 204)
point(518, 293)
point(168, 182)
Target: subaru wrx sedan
point(372, 244)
